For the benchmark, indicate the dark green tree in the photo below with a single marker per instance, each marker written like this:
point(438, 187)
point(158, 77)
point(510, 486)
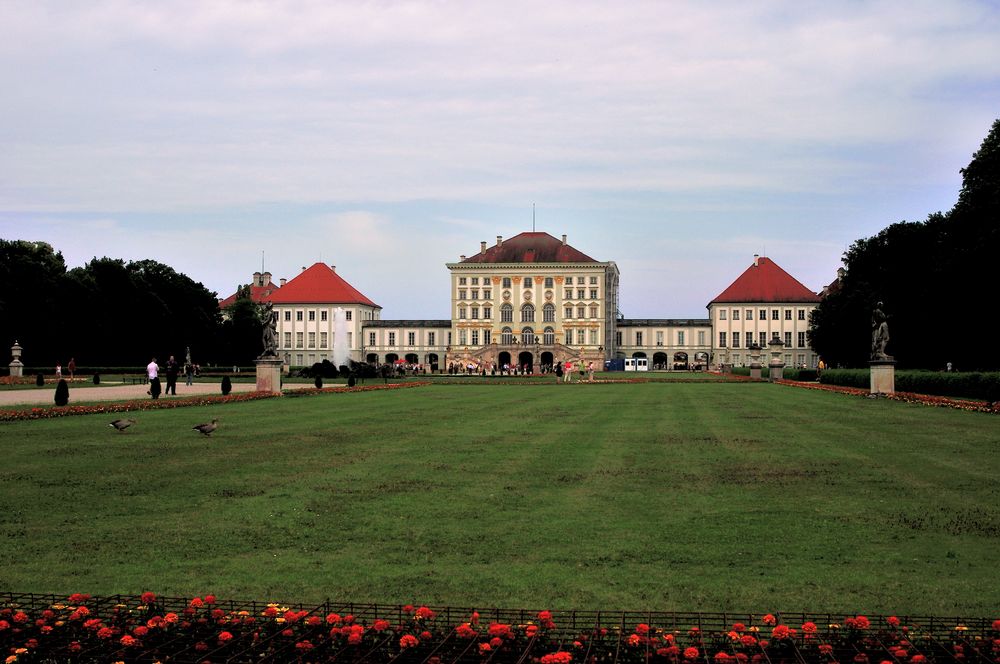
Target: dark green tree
point(241, 330)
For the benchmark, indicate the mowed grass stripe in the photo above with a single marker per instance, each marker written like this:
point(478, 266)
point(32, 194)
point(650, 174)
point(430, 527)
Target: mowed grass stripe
point(664, 496)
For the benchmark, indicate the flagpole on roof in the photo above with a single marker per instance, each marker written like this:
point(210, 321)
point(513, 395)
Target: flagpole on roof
point(532, 217)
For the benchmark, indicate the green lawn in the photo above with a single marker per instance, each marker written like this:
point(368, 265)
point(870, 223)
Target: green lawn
point(662, 496)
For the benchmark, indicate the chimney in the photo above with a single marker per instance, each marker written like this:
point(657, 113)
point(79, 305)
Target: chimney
point(256, 279)
point(462, 258)
point(283, 281)
point(333, 268)
point(840, 273)
point(482, 247)
point(564, 239)
point(499, 240)
point(756, 260)
point(303, 268)
point(266, 279)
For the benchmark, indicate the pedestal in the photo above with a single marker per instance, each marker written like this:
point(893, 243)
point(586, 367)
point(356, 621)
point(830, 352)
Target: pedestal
point(16, 369)
point(269, 374)
point(776, 372)
point(755, 371)
point(883, 376)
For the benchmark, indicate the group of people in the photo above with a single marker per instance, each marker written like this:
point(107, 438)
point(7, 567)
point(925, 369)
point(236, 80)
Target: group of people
point(70, 367)
point(564, 371)
point(171, 370)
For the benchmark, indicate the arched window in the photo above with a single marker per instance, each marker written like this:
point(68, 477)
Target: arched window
point(506, 313)
point(549, 336)
point(528, 313)
point(549, 313)
point(527, 335)
point(506, 336)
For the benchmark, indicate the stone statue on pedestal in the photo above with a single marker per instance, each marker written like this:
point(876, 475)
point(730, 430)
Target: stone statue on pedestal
point(269, 334)
point(880, 333)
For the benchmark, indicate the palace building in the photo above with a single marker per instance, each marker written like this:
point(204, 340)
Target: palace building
point(530, 301)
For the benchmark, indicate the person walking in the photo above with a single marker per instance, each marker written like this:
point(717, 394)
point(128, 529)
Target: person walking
point(153, 373)
point(189, 374)
point(172, 370)
point(71, 367)
point(590, 372)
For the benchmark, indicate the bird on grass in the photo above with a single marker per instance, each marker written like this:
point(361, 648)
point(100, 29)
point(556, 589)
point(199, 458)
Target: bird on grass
point(207, 428)
point(122, 424)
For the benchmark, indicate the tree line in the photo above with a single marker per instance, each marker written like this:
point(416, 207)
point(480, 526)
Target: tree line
point(937, 279)
point(112, 313)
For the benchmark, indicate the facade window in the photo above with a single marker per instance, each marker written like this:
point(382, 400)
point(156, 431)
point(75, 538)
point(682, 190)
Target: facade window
point(475, 293)
point(788, 314)
point(802, 360)
point(569, 294)
point(506, 336)
point(549, 336)
point(618, 338)
point(763, 314)
point(788, 339)
point(736, 339)
point(298, 315)
point(487, 336)
point(411, 338)
point(322, 340)
point(475, 313)
point(802, 340)
point(749, 313)
point(487, 312)
point(638, 338)
point(461, 281)
point(774, 314)
point(288, 339)
point(463, 338)
point(593, 311)
point(581, 294)
point(430, 338)
point(506, 313)
point(487, 294)
point(350, 340)
point(462, 312)
point(569, 337)
point(392, 338)
point(312, 316)
point(371, 338)
point(475, 337)
point(527, 336)
point(593, 337)
point(449, 338)
point(569, 281)
point(593, 293)
point(548, 313)
point(528, 314)
point(322, 315)
point(299, 359)
point(701, 337)
point(548, 282)
point(802, 314)
point(659, 337)
point(568, 314)
point(506, 282)
point(722, 314)
point(348, 315)
point(475, 281)
point(299, 338)
point(736, 314)
point(462, 293)
point(581, 336)
point(581, 312)
point(762, 339)
point(528, 283)
point(680, 337)
point(722, 339)
point(288, 315)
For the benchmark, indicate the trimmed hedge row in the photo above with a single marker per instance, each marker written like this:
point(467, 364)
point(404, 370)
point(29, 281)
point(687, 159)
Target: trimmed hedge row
point(970, 385)
point(789, 373)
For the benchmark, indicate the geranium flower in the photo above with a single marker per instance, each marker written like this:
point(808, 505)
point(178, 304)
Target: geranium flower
point(225, 637)
point(642, 629)
point(380, 625)
point(129, 641)
point(893, 621)
point(147, 598)
point(809, 628)
point(408, 641)
point(423, 613)
point(769, 620)
point(559, 657)
point(304, 645)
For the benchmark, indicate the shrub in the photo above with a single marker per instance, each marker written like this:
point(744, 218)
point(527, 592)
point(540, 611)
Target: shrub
point(352, 381)
point(970, 385)
point(40, 380)
point(227, 385)
point(62, 393)
point(344, 371)
point(97, 379)
point(318, 382)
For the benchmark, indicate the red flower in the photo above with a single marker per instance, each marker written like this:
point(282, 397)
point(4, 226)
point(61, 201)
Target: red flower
point(333, 619)
point(484, 648)
point(129, 641)
point(559, 657)
point(769, 620)
point(475, 617)
point(498, 629)
point(496, 642)
point(355, 638)
point(634, 640)
point(545, 620)
point(76, 598)
point(894, 621)
point(809, 627)
point(380, 625)
point(690, 653)
point(826, 649)
point(739, 627)
point(209, 599)
point(105, 633)
point(642, 629)
point(748, 640)
point(408, 641)
point(782, 632)
point(196, 603)
point(721, 657)
point(423, 613)
point(465, 631)
point(147, 598)
point(304, 645)
point(408, 608)
point(426, 636)
point(141, 631)
point(170, 618)
point(20, 617)
point(225, 636)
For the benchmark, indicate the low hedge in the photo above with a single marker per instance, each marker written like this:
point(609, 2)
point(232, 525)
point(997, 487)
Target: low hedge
point(969, 384)
point(789, 373)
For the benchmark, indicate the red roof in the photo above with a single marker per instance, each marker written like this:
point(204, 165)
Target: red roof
point(531, 248)
point(764, 281)
point(319, 284)
point(258, 294)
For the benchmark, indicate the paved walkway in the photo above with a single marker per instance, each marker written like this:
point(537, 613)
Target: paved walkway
point(115, 392)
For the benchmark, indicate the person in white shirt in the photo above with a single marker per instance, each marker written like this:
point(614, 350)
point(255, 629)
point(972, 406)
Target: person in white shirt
point(153, 372)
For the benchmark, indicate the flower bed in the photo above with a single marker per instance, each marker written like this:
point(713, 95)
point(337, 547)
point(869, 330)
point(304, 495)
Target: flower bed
point(203, 629)
point(39, 413)
point(311, 391)
point(909, 397)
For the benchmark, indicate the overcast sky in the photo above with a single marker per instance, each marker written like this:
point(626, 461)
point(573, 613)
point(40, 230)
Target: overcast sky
point(675, 138)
